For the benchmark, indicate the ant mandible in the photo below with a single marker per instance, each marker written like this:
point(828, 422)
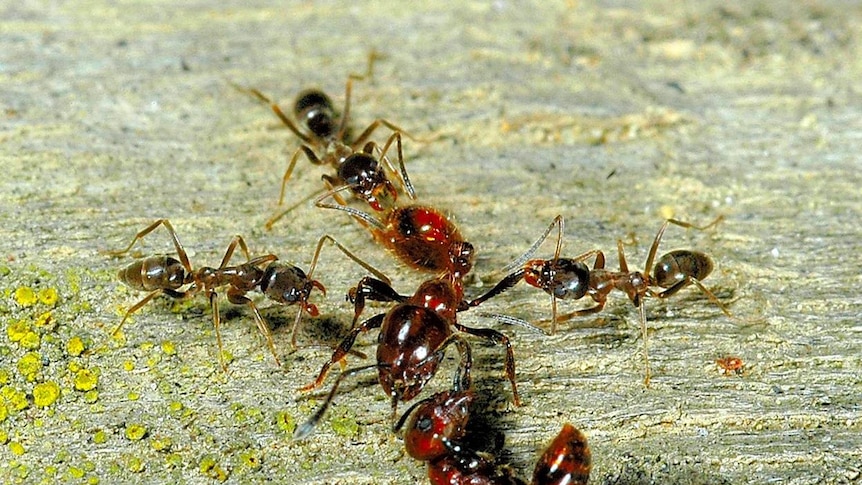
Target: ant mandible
point(413, 338)
point(280, 282)
point(570, 278)
point(328, 134)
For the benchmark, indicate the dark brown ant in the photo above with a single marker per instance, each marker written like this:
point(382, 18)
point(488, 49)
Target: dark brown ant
point(327, 141)
point(570, 278)
point(413, 338)
point(280, 282)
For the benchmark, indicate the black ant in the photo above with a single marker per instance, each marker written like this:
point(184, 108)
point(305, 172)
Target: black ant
point(280, 282)
point(570, 278)
point(412, 341)
point(327, 141)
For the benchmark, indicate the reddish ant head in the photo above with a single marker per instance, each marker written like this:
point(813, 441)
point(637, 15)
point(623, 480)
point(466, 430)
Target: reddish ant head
point(362, 173)
point(563, 278)
point(567, 460)
point(461, 256)
point(678, 265)
point(288, 284)
point(442, 417)
point(314, 109)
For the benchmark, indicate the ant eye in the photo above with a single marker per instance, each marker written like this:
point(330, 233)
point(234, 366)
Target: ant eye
point(424, 424)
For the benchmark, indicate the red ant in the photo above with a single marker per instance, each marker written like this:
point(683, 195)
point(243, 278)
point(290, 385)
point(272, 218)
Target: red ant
point(435, 426)
point(420, 236)
point(328, 133)
point(412, 341)
point(570, 278)
point(279, 282)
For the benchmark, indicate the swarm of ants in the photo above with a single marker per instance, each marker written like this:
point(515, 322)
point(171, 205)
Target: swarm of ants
point(361, 180)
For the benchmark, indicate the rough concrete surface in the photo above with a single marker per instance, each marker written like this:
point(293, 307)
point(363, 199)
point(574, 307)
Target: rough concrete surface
point(614, 114)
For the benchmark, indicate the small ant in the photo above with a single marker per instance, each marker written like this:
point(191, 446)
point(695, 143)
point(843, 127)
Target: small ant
point(413, 338)
point(571, 279)
point(328, 134)
point(566, 461)
point(279, 282)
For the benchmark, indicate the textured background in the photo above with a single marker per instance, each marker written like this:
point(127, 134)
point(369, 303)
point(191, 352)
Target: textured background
point(614, 114)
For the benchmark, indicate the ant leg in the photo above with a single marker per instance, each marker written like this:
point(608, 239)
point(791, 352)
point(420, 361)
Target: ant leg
point(682, 284)
point(356, 259)
point(364, 218)
point(463, 379)
point(579, 313)
point(237, 297)
point(654, 248)
point(213, 297)
point(344, 348)
point(272, 220)
point(307, 427)
point(275, 109)
point(498, 338)
point(372, 289)
point(366, 133)
point(237, 240)
point(181, 252)
point(504, 284)
point(309, 154)
point(405, 179)
point(647, 373)
point(137, 306)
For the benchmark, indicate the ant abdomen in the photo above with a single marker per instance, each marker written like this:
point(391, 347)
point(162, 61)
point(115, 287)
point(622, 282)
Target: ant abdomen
point(314, 109)
point(154, 273)
point(679, 265)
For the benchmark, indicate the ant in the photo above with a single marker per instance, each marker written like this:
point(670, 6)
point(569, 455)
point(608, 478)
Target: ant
point(435, 426)
point(328, 134)
point(414, 335)
point(571, 279)
point(280, 282)
point(421, 237)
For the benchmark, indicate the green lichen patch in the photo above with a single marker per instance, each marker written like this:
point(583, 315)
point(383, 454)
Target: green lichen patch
point(210, 467)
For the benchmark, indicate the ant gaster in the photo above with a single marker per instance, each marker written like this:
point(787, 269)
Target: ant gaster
point(413, 338)
point(570, 278)
point(280, 282)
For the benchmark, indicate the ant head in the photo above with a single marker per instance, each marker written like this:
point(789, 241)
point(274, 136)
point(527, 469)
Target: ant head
point(442, 417)
point(563, 278)
point(314, 109)
point(362, 173)
point(461, 256)
point(288, 284)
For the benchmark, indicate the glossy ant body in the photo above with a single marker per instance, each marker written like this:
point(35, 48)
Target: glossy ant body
point(280, 282)
point(435, 426)
point(326, 141)
point(413, 337)
point(570, 278)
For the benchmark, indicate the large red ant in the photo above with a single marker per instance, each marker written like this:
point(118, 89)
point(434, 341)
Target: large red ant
point(413, 338)
point(328, 134)
point(280, 282)
point(571, 279)
point(435, 426)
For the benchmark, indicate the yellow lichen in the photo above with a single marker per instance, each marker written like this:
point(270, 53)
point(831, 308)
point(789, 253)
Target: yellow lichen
point(168, 347)
point(25, 296)
point(31, 341)
point(4, 413)
point(4, 437)
point(4, 377)
point(15, 400)
point(133, 396)
point(100, 437)
point(250, 459)
point(76, 472)
point(45, 394)
point(161, 443)
point(91, 396)
point(16, 330)
point(86, 380)
point(16, 448)
point(135, 431)
point(44, 320)
point(128, 366)
point(135, 464)
point(211, 468)
point(285, 422)
point(29, 365)
point(48, 296)
point(75, 346)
